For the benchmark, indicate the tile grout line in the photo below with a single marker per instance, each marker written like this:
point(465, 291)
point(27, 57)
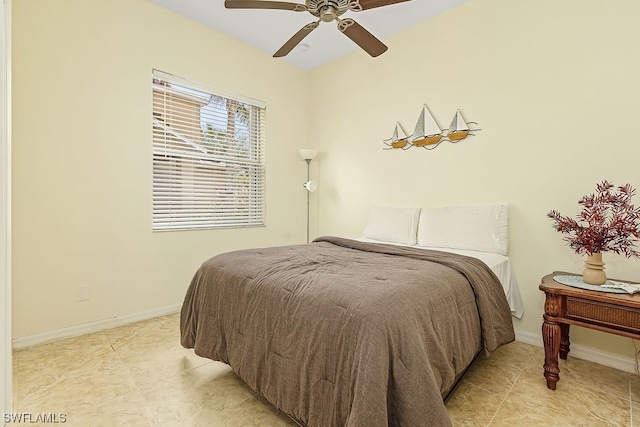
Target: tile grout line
point(510, 389)
point(505, 398)
point(136, 388)
point(630, 404)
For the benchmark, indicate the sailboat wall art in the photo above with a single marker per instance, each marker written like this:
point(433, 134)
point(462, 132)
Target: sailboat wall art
point(459, 129)
point(428, 134)
point(427, 131)
point(399, 138)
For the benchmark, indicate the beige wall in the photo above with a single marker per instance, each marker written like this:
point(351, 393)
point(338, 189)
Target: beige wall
point(82, 156)
point(554, 87)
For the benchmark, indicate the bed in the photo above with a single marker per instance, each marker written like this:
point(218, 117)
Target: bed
point(350, 332)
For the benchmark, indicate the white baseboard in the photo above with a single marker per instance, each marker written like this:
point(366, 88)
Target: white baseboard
point(587, 353)
point(89, 328)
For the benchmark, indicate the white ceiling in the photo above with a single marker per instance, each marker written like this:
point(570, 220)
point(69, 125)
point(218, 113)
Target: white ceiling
point(267, 30)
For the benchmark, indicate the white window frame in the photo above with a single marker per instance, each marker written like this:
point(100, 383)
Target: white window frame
point(209, 166)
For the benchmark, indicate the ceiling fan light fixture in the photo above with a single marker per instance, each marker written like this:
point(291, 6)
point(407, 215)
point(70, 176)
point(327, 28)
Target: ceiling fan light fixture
point(328, 13)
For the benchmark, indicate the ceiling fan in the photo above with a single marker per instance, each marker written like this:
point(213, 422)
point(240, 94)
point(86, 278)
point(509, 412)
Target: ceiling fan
point(326, 11)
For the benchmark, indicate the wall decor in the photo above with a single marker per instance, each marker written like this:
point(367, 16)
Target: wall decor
point(428, 134)
point(399, 139)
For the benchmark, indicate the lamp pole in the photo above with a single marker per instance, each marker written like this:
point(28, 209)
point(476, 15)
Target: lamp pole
point(308, 166)
point(307, 155)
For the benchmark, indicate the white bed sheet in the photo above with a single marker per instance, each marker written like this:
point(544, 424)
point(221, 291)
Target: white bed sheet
point(499, 264)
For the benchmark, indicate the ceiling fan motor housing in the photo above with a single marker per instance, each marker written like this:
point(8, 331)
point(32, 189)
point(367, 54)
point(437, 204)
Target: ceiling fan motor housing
point(328, 10)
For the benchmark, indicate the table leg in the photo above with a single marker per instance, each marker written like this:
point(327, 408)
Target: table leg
point(551, 336)
point(564, 341)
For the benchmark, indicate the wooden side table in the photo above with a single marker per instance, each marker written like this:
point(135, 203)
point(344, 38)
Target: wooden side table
point(565, 306)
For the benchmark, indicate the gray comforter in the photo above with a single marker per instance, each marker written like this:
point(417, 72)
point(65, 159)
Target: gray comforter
point(345, 333)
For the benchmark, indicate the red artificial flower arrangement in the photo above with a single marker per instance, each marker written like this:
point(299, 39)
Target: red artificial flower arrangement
point(608, 222)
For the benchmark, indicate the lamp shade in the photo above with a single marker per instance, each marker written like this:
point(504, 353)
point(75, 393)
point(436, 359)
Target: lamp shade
point(308, 153)
point(311, 186)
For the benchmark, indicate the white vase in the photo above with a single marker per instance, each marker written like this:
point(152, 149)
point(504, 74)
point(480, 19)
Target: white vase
point(593, 273)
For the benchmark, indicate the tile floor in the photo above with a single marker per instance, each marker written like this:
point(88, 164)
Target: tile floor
point(139, 375)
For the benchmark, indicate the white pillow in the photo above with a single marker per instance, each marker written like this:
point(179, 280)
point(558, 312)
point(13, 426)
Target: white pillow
point(478, 228)
point(395, 225)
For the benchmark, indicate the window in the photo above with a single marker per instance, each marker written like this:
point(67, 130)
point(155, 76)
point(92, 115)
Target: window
point(208, 157)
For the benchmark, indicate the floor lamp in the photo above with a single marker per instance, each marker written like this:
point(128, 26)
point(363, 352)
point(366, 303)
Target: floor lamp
point(307, 155)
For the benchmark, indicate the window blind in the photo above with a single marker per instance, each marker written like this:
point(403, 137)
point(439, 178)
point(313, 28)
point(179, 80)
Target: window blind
point(208, 157)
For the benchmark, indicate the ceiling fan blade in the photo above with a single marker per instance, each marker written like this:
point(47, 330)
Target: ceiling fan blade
point(357, 5)
point(264, 4)
point(362, 37)
point(297, 38)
